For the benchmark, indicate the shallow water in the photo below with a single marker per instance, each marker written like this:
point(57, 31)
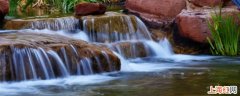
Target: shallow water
point(152, 76)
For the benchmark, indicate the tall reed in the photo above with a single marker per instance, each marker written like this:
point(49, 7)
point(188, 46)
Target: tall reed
point(13, 7)
point(225, 35)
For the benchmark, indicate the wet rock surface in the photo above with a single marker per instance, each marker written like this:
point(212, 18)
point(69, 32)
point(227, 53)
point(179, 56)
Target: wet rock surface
point(71, 52)
point(84, 9)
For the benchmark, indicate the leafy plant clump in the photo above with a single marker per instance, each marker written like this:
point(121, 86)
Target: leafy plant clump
point(225, 35)
point(64, 6)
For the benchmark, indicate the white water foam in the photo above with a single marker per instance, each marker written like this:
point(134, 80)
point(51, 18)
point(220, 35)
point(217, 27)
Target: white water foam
point(161, 49)
point(77, 34)
point(183, 57)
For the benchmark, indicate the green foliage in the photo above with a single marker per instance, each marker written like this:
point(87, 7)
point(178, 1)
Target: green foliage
point(13, 7)
point(64, 6)
point(68, 5)
point(225, 35)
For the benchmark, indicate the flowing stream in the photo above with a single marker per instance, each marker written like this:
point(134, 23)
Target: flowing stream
point(148, 68)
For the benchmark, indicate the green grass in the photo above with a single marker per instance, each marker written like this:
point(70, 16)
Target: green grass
point(225, 35)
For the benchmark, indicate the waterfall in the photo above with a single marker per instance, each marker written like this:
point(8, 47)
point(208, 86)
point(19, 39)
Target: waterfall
point(161, 49)
point(131, 40)
point(39, 64)
point(125, 34)
point(64, 23)
point(127, 37)
point(118, 28)
point(118, 32)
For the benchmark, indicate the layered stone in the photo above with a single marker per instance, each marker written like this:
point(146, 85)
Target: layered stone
point(70, 51)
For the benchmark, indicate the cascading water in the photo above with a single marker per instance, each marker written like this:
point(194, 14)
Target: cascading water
point(64, 23)
point(133, 40)
point(115, 28)
point(65, 70)
point(65, 26)
point(37, 64)
point(128, 37)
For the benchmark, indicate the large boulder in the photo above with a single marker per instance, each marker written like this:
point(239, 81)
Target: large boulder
point(193, 25)
point(209, 3)
point(4, 8)
point(157, 13)
point(83, 9)
point(24, 54)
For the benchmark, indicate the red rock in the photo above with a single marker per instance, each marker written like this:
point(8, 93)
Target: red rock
point(83, 9)
point(193, 25)
point(4, 8)
point(210, 3)
point(156, 11)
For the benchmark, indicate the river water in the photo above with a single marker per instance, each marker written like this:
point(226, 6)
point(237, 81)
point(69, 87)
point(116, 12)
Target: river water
point(153, 76)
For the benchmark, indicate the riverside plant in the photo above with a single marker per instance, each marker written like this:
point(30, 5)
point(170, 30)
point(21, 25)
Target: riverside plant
point(225, 35)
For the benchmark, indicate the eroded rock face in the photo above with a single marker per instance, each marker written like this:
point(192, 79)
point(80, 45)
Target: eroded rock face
point(194, 24)
point(4, 8)
point(72, 53)
point(157, 13)
point(84, 9)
